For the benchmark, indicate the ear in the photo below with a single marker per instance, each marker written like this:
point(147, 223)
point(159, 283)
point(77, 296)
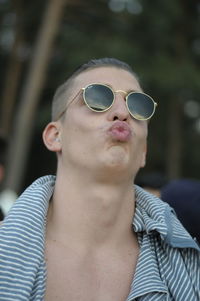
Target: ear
point(51, 137)
point(144, 154)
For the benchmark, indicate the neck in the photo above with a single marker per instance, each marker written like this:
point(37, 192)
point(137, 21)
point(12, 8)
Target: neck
point(89, 211)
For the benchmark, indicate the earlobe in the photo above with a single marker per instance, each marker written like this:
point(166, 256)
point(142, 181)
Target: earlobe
point(51, 137)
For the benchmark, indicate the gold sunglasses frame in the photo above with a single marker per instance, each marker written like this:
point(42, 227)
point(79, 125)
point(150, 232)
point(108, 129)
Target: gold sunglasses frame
point(127, 94)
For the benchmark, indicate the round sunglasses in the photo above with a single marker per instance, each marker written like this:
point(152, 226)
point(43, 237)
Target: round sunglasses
point(100, 98)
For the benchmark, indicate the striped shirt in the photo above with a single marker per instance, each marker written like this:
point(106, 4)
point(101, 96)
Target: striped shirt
point(168, 267)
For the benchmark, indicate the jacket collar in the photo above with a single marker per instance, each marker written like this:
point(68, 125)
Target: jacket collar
point(152, 214)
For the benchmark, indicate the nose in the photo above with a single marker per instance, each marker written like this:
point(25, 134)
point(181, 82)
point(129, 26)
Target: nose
point(119, 110)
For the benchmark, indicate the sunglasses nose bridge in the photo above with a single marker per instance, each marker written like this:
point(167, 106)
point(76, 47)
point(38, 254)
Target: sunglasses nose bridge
point(119, 108)
point(121, 92)
point(124, 95)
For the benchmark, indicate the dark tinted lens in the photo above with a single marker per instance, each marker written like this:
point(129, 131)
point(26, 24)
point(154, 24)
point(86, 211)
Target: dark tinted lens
point(98, 97)
point(140, 105)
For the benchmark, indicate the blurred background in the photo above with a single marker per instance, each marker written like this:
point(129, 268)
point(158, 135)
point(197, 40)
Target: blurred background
point(42, 42)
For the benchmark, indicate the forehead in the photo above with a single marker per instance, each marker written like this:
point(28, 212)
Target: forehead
point(118, 79)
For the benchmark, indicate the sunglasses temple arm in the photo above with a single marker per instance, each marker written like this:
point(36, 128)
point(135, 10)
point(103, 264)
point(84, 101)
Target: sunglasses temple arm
point(68, 103)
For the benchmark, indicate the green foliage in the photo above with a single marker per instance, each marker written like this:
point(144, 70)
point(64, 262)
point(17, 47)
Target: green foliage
point(162, 43)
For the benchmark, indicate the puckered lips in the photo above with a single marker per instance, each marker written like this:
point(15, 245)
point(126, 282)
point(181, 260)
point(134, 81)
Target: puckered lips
point(120, 131)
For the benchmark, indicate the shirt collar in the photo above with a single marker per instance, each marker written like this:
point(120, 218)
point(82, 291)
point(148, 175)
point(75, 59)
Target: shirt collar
point(152, 214)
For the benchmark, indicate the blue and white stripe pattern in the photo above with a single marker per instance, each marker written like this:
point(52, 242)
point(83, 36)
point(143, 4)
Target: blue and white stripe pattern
point(22, 265)
point(168, 267)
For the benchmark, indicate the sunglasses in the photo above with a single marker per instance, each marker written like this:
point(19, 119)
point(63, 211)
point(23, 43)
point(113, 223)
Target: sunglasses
point(100, 98)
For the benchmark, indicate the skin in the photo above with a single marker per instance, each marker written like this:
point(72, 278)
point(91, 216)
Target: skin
point(90, 216)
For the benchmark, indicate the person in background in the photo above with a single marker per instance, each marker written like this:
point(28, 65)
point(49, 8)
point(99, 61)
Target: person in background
point(88, 233)
point(7, 196)
point(184, 196)
point(152, 182)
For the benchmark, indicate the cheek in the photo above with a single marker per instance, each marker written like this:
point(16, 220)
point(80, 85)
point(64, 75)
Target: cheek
point(139, 146)
point(77, 132)
point(140, 133)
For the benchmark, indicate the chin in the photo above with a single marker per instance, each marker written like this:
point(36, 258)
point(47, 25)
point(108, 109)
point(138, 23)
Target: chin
point(117, 164)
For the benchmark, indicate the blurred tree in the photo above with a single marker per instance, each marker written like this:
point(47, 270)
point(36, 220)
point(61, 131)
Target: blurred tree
point(160, 40)
point(13, 73)
point(19, 145)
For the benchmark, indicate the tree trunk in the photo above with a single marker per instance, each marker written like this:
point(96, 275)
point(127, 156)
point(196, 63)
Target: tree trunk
point(23, 127)
point(12, 77)
point(174, 152)
point(11, 87)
